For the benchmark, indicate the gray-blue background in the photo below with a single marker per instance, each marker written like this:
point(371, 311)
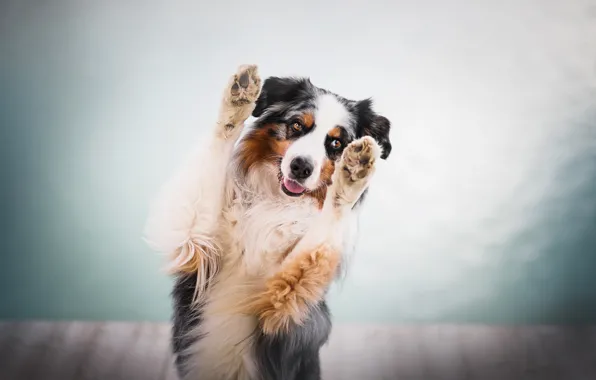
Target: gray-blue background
point(486, 210)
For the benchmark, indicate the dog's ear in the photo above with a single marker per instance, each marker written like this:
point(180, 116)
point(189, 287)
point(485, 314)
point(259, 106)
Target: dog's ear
point(379, 130)
point(279, 90)
point(373, 125)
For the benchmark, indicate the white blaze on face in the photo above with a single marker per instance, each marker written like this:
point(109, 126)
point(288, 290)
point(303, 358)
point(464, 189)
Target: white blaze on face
point(329, 113)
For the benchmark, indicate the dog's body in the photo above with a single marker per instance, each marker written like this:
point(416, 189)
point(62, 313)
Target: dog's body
point(257, 231)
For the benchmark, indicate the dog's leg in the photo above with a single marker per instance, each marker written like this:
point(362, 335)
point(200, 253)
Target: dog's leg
point(295, 355)
point(308, 270)
point(185, 215)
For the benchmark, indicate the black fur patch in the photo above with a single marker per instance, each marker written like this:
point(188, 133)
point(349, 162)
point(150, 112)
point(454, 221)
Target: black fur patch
point(295, 355)
point(185, 319)
point(376, 126)
point(275, 90)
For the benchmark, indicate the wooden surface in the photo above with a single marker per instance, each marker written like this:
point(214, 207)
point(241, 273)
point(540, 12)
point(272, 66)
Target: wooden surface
point(77, 350)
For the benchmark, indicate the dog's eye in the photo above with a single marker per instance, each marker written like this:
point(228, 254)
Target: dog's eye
point(335, 144)
point(296, 126)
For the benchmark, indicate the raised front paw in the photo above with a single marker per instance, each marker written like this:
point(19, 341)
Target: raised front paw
point(291, 293)
point(244, 86)
point(356, 167)
point(239, 99)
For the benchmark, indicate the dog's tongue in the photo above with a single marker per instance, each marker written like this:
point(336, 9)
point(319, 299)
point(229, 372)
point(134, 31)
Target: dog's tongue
point(292, 186)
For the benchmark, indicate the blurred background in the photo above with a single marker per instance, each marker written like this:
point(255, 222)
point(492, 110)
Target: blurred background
point(484, 212)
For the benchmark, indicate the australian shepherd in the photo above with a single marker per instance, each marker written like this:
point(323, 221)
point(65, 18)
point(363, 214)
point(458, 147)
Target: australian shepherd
point(258, 224)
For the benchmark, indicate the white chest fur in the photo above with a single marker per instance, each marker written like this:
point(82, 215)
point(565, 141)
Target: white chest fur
point(265, 229)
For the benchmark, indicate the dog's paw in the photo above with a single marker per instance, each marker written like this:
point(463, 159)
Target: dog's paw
point(358, 159)
point(356, 167)
point(291, 293)
point(239, 99)
point(245, 86)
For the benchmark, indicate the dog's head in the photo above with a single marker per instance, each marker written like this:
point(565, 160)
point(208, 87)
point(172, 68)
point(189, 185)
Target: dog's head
point(301, 131)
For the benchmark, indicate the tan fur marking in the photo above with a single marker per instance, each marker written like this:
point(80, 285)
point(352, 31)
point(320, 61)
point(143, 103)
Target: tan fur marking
point(335, 132)
point(320, 193)
point(191, 267)
point(260, 145)
point(327, 171)
point(280, 147)
point(290, 293)
point(308, 119)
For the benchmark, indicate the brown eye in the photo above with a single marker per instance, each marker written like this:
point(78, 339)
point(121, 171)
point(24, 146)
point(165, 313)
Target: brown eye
point(297, 127)
point(336, 144)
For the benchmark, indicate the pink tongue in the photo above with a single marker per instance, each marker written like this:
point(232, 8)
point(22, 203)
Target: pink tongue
point(293, 186)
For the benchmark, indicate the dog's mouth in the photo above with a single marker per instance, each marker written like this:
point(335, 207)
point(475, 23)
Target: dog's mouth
point(291, 187)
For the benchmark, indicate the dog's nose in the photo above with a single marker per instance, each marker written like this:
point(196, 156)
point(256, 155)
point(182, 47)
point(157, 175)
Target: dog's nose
point(301, 168)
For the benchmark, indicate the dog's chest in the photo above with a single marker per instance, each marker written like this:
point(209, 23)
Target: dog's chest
point(265, 230)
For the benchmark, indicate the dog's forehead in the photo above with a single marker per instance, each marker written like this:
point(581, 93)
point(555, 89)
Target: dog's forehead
point(327, 109)
point(330, 112)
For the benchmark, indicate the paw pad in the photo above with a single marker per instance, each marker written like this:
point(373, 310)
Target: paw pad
point(245, 85)
point(359, 158)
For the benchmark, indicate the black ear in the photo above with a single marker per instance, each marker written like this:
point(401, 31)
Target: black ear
point(379, 130)
point(277, 90)
point(373, 125)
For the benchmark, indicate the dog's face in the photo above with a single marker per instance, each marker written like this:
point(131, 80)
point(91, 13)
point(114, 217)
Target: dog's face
point(301, 132)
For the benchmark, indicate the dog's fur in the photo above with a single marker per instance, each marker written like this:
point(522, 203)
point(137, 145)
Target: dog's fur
point(255, 238)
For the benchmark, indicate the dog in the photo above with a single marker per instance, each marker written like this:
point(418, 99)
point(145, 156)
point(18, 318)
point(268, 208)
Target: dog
point(258, 224)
